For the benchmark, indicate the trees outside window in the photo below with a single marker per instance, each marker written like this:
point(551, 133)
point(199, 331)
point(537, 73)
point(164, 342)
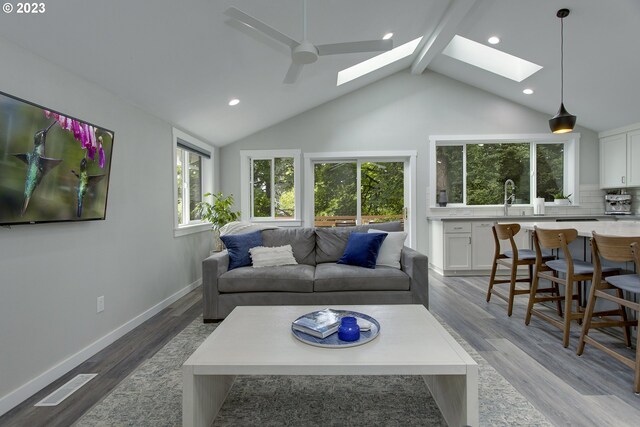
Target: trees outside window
point(350, 192)
point(449, 171)
point(270, 185)
point(490, 165)
point(550, 168)
point(193, 165)
point(273, 188)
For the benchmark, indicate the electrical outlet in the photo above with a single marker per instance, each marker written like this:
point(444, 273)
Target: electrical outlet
point(100, 304)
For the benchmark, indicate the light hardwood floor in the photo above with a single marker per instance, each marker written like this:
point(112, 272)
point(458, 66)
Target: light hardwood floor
point(590, 390)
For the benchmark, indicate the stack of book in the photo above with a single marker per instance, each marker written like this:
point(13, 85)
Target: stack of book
point(323, 323)
point(319, 324)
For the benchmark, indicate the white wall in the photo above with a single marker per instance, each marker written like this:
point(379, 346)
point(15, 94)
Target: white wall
point(51, 274)
point(400, 112)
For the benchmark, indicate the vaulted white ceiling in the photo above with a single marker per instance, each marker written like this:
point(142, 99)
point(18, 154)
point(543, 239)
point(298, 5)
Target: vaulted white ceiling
point(183, 60)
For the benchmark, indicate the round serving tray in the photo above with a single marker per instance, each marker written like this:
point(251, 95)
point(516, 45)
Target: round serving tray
point(332, 341)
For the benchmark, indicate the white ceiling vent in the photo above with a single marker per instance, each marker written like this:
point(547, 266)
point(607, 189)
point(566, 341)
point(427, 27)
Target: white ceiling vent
point(66, 390)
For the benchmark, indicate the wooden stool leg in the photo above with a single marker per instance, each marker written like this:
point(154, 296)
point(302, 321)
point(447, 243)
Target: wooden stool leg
point(627, 329)
point(636, 379)
point(557, 293)
point(512, 288)
point(532, 297)
point(568, 310)
point(586, 320)
point(492, 279)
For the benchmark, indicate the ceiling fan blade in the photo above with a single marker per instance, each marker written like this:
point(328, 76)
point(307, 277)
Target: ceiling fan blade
point(353, 47)
point(292, 73)
point(239, 15)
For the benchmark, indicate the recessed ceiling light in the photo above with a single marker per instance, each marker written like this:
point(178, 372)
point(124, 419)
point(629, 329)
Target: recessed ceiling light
point(387, 36)
point(234, 101)
point(527, 91)
point(378, 61)
point(490, 59)
point(494, 40)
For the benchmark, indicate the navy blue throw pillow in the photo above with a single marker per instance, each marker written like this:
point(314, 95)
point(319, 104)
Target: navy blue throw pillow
point(362, 249)
point(238, 246)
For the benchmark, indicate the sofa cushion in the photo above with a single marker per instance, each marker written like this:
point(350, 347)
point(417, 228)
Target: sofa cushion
point(391, 248)
point(362, 249)
point(302, 241)
point(268, 256)
point(384, 226)
point(238, 246)
point(331, 243)
point(331, 277)
point(286, 278)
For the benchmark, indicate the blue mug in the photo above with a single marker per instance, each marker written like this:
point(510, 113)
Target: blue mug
point(349, 329)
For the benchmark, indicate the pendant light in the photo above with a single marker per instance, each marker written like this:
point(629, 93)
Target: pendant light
point(562, 122)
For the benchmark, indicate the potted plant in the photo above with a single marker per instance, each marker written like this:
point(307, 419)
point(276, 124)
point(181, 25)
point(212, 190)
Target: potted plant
point(560, 199)
point(218, 213)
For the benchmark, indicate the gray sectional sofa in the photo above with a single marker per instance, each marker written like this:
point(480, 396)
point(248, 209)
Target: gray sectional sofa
point(317, 279)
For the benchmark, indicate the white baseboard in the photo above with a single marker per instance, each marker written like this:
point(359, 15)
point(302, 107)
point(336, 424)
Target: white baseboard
point(27, 390)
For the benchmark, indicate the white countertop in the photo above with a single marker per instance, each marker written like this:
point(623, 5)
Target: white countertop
point(585, 228)
point(516, 218)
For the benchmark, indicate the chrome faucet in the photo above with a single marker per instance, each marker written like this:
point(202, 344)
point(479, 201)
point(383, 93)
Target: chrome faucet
point(509, 199)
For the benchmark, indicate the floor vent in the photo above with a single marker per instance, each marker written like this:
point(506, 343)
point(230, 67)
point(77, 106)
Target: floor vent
point(66, 390)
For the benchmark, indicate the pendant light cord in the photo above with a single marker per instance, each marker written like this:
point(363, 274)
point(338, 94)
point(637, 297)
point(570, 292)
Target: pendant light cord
point(561, 60)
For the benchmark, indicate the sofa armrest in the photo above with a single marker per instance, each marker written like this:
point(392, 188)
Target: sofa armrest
point(212, 268)
point(416, 265)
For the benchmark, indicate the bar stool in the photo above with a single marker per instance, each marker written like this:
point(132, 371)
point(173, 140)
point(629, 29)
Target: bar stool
point(572, 270)
point(617, 249)
point(511, 259)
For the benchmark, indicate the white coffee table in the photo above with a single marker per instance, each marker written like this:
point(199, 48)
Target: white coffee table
point(258, 341)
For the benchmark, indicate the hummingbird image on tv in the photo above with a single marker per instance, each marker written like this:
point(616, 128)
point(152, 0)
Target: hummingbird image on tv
point(37, 165)
point(84, 182)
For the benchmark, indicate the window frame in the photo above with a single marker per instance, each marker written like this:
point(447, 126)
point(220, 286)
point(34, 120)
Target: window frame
point(571, 175)
point(246, 185)
point(206, 176)
point(408, 157)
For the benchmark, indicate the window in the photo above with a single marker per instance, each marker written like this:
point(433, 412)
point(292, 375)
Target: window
point(550, 170)
point(490, 165)
point(193, 178)
point(358, 192)
point(271, 186)
point(361, 188)
point(473, 170)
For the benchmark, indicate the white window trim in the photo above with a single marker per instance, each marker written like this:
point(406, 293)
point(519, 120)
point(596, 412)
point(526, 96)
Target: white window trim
point(411, 183)
point(207, 182)
point(246, 190)
point(571, 161)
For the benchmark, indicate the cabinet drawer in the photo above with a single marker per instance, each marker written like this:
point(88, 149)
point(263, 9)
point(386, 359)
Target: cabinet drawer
point(457, 227)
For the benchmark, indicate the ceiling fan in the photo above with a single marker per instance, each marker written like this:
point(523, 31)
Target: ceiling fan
point(304, 52)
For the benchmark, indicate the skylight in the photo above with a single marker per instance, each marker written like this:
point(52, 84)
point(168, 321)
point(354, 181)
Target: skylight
point(490, 59)
point(377, 62)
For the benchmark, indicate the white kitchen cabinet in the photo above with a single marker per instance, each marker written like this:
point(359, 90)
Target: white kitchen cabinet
point(633, 159)
point(482, 245)
point(457, 251)
point(613, 161)
point(466, 247)
point(620, 160)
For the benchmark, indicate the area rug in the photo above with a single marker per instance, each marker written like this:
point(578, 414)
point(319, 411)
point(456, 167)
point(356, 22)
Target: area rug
point(152, 396)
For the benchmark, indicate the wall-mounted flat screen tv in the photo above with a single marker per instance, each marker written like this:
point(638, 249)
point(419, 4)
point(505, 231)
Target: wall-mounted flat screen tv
point(53, 167)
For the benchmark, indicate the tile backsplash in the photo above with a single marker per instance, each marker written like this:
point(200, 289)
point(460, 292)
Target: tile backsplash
point(591, 203)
